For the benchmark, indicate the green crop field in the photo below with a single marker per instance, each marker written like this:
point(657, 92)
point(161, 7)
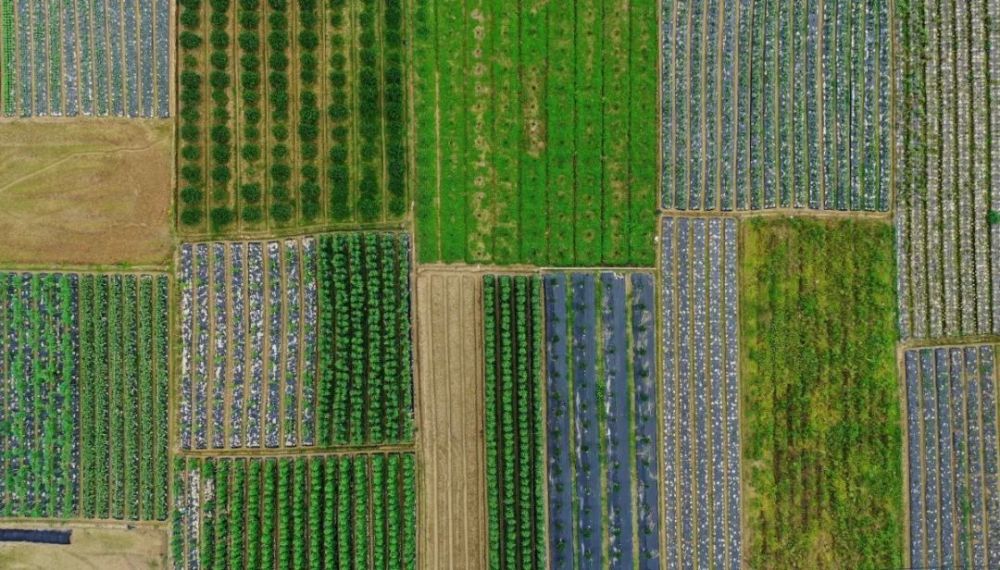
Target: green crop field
point(821, 443)
point(535, 132)
point(292, 114)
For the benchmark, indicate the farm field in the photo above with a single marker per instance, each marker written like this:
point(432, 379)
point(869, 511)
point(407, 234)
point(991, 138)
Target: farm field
point(105, 547)
point(776, 105)
point(951, 450)
point(601, 421)
point(535, 132)
point(336, 511)
point(292, 115)
point(297, 342)
point(822, 467)
point(948, 219)
point(452, 533)
point(85, 192)
point(85, 394)
point(703, 507)
point(85, 58)
point(515, 437)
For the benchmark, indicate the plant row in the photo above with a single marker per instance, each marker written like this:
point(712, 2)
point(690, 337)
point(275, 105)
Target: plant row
point(702, 507)
point(515, 461)
point(81, 58)
point(366, 383)
point(601, 420)
point(310, 513)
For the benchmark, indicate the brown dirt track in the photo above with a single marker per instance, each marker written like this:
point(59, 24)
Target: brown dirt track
point(450, 447)
point(85, 192)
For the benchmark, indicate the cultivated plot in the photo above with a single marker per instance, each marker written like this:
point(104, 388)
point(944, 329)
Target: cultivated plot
point(948, 219)
point(601, 421)
point(297, 342)
point(81, 57)
point(776, 105)
point(951, 419)
point(515, 436)
point(450, 445)
point(318, 512)
point(536, 131)
point(292, 114)
point(701, 393)
point(84, 395)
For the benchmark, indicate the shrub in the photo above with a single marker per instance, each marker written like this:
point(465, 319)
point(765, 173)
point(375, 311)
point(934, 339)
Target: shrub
point(282, 211)
point(191, 195)
point(252, 214)
point(191, 217)
point(190, 40)
point(250, 192)
point(221, 217)
point(993, 218)
point(250, 152)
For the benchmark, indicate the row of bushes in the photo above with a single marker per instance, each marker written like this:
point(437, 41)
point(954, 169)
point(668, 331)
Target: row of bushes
point(190, 99)
point(250, 84)
point(309, 109)
point(339, 113)
point(282, 208)
point(222, 144)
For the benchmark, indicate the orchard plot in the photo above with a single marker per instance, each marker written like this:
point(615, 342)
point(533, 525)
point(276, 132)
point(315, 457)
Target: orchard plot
point(601, 389)
point(85, 371)
point(776, 105)
point(948, 219)
point(297, 342)
point(951, 419)
point(701, 393)
point(316, 512)
point(85, 58)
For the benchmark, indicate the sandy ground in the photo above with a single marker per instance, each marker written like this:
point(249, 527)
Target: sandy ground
point(452, 501)
point(85, 192)
point(91, 547)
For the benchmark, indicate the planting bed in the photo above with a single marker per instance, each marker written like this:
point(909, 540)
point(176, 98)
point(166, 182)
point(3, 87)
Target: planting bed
point(80, 57)
point(948, 219)
point(776, 105)
point(292, 114)
point(951, 419)
point(316, 512)
point(535, 131)
point(701, 407)
point(298, 342)
point(601, 427)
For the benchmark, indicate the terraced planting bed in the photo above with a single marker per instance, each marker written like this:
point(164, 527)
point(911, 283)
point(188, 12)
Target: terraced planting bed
point(535, 132)
point(316, 512)
point(601, 421)
point(701, 393)
point(821, 465)
point(298, 342)
point(292, 115)
point(948, 219)
point(85, 58)
point(85, 394)
point(776, 105)
point(951, 450)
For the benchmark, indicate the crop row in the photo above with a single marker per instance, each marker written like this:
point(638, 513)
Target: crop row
point(701, 393)
point(308, 513)
point(773, 106)
point(601, 391)
point(948, 220)
point(952, 451)
point(366, 384)
point(292, 127)
point(79, 57)
point(515, 460)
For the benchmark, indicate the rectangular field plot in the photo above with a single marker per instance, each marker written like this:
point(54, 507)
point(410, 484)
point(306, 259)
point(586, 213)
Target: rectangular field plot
point(776, 105)
point(536, 131)
point(292, 114)
point(79, 57)
point(449, 320)
point(298, 342)
point(701, 406)
point(948, 218)
point(83, 399)
point(601, 423)
point(822, 472)
point(316, 512)
point(515, 457)
point(951, 419)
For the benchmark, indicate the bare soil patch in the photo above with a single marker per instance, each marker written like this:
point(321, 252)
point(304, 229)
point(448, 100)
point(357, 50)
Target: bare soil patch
point(91, 547)
point(85, 192)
